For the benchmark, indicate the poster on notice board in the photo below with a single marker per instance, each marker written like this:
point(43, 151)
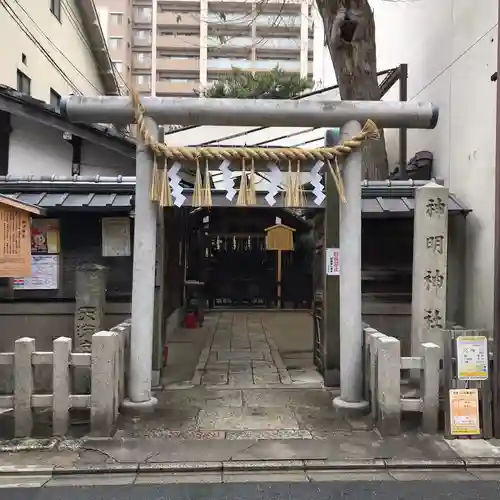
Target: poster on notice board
point(44, 274)
point(45, 236)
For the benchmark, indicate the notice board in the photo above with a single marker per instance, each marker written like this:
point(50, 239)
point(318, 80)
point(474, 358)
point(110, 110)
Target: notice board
point(15, 243)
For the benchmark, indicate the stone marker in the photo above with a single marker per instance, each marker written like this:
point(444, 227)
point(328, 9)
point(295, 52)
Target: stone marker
point(90, 297)
point(430, 253)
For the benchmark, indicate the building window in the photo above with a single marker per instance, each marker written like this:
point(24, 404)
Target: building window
point(169, 79)
point(143, 35)
point(142, 57)
point(115, 42)
point(55, 99)
point(55, 8)
point(142, 79)
point(143, 14)
point(23, 83)
point(118, 66)
point(116, 18)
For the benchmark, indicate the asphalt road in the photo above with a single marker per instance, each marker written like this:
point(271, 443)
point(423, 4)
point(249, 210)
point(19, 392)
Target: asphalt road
point(350, 490)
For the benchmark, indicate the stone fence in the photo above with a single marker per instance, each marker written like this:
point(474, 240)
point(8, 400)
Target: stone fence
point(123, 332)
point(106, 363)
point(383, 364)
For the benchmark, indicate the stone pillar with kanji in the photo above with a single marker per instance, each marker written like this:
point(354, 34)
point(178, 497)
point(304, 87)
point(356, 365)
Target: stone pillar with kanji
point(430, 255)
point(90, 298)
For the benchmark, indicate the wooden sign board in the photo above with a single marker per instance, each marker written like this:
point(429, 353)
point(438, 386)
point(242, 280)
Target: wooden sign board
point(15, 242)
point(279, 237)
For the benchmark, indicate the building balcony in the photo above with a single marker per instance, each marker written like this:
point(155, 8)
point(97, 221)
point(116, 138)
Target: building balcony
point(178, 19)
point(174, 88)
point(117, 30)
point(141, 42)
point(182, 65)
point(139, 64)
point(263, 66)
point(178, 42)
point(279, 31)
point(143, 88)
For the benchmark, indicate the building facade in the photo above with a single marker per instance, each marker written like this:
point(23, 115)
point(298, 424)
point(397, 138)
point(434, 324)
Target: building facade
point(54, 48)
point(457, 78)
point(175, 48)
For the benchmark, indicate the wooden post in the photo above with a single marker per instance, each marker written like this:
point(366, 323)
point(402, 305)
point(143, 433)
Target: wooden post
point(279, 237)
point(278, 278)
point(158, 324)
point(331, 290)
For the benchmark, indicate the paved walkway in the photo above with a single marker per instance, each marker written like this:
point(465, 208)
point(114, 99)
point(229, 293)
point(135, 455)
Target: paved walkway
point(240, 352)
point(242, 389)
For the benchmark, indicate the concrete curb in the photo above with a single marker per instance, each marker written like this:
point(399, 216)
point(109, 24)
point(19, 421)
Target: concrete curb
point(255, 466)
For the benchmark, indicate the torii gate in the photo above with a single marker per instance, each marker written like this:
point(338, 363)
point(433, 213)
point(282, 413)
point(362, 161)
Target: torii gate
point(239, 112)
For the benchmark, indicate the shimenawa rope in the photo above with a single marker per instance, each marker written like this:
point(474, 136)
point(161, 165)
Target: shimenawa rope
point(294, 195)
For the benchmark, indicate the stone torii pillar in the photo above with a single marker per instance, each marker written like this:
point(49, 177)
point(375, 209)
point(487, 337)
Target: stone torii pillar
point(248, 112)
point(143, 283)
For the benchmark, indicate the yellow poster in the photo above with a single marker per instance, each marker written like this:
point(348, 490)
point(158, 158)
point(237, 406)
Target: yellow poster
point(464, 412)
point(45, 236)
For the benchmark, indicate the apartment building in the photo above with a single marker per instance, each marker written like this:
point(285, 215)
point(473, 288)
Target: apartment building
point(52, 48)
point(177, 47)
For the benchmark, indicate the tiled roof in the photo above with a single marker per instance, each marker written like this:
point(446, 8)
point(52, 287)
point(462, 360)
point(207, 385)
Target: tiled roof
point(380, 198)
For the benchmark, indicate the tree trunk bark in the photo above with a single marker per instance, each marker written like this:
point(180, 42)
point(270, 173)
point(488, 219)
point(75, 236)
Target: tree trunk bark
point(350, 37)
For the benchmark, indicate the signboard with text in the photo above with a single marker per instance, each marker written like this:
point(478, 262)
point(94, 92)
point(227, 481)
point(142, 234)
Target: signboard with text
point(464, 412)
point(332, 262)
point(15, 243)
point(472, 358)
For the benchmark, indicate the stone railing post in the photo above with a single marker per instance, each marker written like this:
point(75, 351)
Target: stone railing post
point(61, 386)
point(389, 385)
point(23, 386)
point(104, 381)
point(371, 341)
point(431, 355)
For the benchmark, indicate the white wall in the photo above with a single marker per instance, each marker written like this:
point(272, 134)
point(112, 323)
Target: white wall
point(74, 67)
point(37, 150)
point(451, 49)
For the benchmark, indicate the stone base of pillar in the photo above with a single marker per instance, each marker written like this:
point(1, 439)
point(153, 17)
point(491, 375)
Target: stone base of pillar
point(129, 407)
point(350, 407)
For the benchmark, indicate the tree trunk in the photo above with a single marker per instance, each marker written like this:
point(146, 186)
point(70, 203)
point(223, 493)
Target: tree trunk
point(350, 37)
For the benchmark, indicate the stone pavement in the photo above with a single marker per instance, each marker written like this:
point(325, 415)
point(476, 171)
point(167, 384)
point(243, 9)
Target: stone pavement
point(362, 457)
point(242, 389)
point(241, 352)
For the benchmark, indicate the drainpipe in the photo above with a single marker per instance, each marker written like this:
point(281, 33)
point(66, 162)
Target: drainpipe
point(403, 132)
point(496, 282)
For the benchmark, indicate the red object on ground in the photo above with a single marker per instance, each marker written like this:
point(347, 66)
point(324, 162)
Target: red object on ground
point(165, 355)
point(190, 320)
